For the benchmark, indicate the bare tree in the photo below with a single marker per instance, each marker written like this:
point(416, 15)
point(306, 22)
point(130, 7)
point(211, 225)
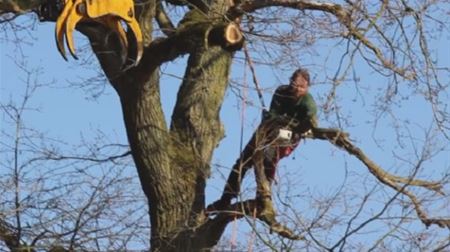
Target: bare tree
point(173, 159)
point(60, 196)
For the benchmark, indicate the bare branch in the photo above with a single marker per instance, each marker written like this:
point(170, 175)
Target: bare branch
point(341, 140)
point(342, 14)
point(57, 157)
point(185, 40)
point(242, 209)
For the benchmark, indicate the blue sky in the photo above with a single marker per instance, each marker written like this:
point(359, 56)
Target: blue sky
point(316, 167)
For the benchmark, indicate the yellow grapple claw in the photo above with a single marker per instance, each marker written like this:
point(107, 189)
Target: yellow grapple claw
point(108, 12)
point(134, 25)
point(73, 18)
point(60, 28)
point(114, 24)
point(121, 8)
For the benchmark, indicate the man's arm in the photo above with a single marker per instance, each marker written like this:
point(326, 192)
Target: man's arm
point(275, 107)
point(311, 111)
point(307, 117)
point(276, 103)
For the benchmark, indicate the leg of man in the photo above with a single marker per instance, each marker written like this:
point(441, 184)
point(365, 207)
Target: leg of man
point(276, 154)
point(246, 161)
point(265, 210)
point(233, 184)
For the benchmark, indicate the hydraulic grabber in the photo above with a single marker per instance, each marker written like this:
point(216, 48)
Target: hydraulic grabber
point(110, 13)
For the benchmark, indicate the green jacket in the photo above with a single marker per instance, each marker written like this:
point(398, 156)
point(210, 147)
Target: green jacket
point(297, 113)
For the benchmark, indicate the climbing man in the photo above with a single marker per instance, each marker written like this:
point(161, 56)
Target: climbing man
point(292, 114)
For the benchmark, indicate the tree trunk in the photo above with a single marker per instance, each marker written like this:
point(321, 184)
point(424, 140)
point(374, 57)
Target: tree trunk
point(19, 7)
point(173, 164)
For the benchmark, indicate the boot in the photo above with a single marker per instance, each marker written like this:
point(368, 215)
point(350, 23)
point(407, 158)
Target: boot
point(265, 209)
point(267, 214)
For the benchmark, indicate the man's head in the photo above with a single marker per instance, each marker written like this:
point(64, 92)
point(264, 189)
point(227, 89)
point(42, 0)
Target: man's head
point(299, 82)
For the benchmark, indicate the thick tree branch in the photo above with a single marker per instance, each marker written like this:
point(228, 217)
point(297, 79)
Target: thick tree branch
point(145, 12)
point(195, 123)
point(188, 38)
point(19, 7)
point(399, 184)
point(107, 47)
point(163, 20)
point(197, 4)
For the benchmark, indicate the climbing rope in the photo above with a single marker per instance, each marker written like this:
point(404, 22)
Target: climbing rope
point(233, 240)
point(253, 234)
point(255, 80)
point(249, 61)
point(244, 105)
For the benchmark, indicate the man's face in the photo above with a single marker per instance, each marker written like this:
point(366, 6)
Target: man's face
point(300, 86)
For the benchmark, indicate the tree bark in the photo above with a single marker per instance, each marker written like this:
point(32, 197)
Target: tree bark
point(173, 163)
point(19, 6)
